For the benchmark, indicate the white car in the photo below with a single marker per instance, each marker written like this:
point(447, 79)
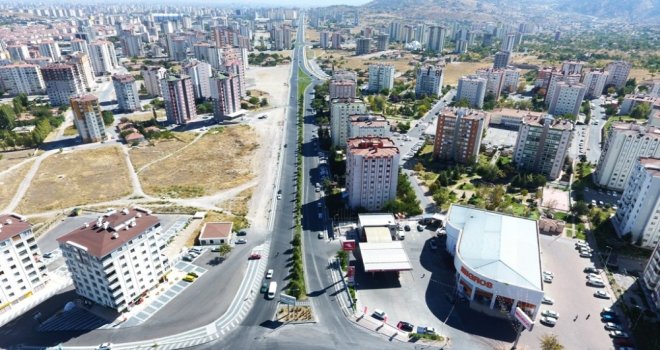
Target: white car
point(550, 313)
point(594, 276)
point(547, 300)
point(547, 279)
point(548, 273)
point(269, 273)
point(602, 294)
point(549, 321)
point(585, 255)
point(379, 314)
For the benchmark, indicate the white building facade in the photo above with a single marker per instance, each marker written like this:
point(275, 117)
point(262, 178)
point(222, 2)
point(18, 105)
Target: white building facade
point(381, 76)
point(429, 80)
point(340, 111)
point(22, 78)
point(372, 172)
point(473, 89)
point(127, 92)
point(567, 99)
point(152, 76)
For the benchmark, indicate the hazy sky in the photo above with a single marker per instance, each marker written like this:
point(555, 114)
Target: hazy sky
point(301, 3)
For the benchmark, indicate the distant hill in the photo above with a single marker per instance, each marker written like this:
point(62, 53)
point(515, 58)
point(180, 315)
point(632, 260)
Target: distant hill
point(644, 10)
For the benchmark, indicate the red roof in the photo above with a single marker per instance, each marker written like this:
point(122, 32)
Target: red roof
point(11, 225)
point(213, 230)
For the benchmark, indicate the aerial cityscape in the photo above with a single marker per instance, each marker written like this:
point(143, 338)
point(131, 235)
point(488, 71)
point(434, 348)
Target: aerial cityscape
point(411, 174)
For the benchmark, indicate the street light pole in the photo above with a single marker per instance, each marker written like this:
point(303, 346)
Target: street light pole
point(608, 256)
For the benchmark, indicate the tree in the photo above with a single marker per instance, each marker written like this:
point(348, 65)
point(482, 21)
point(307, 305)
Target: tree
point(463, 103)
point(108, 117)
point(641, 111)
point(254, 100)
point(580, 208)
point(224, 249)
point(7, 117)
point(550, 342)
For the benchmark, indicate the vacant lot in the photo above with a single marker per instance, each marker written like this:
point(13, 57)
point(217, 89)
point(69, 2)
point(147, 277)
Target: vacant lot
point(239, 204)
point(456, 70)
point(157, 149)
point(221, 159)
point(9, 159)
point(77, 178)
point(143, 116)
point(10, 181)
point(312, 35)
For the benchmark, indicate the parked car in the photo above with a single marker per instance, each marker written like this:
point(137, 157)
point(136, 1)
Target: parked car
point(547, 279)
point(594, 276)
point(193, 274)
point(611, 326)
point(264, 287)
point(550, 313)
point(609, 318)
point(405, 326)
point(406, 227)
point(420, 228)
point(595, 282)
point(269, 273)
point(254, 256)
point(241, 233)
point(188, 258)
point(279, 196)
point(618, 334)
point(105, 346)
point(321, 235)
point(590, 269)
point(189, 279)
point(585, 255)
point(379, 314)
point(548, 321)
point(547, 300)
point(425, 330)
point(241, 241)
point(548, 273)
point(602, 294)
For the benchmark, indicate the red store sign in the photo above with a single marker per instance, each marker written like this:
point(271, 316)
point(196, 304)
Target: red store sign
point(475, 279)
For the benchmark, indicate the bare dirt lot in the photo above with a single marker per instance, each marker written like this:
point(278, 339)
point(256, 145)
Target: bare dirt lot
point(221, 159)
point(10, 181)
point(157, 149)
point(455, 70)
point(77, 178)
point(9, 159)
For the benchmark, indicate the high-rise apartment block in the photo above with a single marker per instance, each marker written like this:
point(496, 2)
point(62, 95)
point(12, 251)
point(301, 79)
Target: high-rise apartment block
point(594, 82)
point(62, 82)
point(22, 78)
point(324, 39)
point(18, 52)
point(200, 74)
point(382, 42)
point(567, 98)
point(368, 125)
point(225, 94)
point(152, 76)
point(84, 67)
point(342, 88)
point(429, 80)
point(381, 76)
point(132, 44)
point(340, 111)
point(179, 98)
point(372, 172)
point(436, 39)
point(618, 73)
point(639, 207)
point(88, 118)
point(508, 42)
point(502, 59)
point(458, 135)
point(572, 67)
point(21, 272)
point(336, 41)
point(128, 99)
point(625, 143)
point(50, 48)
point(363, 46)
point(79, 45)
point(542, 145)
point(473, 89)
point(232, 63)
point(103, 57)
point(651, 278)
point(115, 259)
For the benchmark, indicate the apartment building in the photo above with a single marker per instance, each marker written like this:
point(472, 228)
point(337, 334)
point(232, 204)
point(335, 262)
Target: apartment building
point(372, 172)
point(368, 125)
point(336, 41)
point(572, 67)
point(342, 88)
point(324, 39)
point(473, 89)
point(131, 44)
point(382, 42)
point(625, 143)
point(88, 118)
point(458, 135)
point(630, 101)
point(381, 76)
point(340, 111)
point(556, 77)
point(510, 80)
point(152, 76)
point(21, 271)
point(618, 73)
point(542, 145)
point(50, 48)
point(651, 278)
point(22, 78)
point(232, 63)
point(429, 80)
point(115, 259)
point(103, 57)
point(84, 67)
point(200, 74)
point(595, 82)
point(502, 59)
point(494, 79)
point(18, 52)
point(639, 210)
point(436, 39)
point(128, 99)
point(179, 98)
point(567, 98)
point(225, 95)
point(363, 46)
point(79, 45)
point(63, 81)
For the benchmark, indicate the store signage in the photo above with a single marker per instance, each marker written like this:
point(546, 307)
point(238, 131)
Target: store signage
point(522, 317)
point(476, 279)
point(348, 245)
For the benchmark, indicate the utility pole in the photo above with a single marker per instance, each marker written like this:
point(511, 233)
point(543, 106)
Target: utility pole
point(515, 343)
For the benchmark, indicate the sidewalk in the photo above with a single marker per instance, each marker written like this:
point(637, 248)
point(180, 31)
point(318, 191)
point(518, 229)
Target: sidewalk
point(55, 284)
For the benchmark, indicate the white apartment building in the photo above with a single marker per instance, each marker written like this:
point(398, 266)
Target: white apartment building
point(115, 259)
point(639, 210)
point(429, 80)
point(368, 125)
point(22, 78)
point(152, 76)
point(84, 67)
point(542, 144)
point(340, 110)
point(595, 82)
point(510, 80)
point(324, 39)
point(372, 172)
point(472, 88)
point(618, 73)
point(63, 81)
point(226, 96)
point(21, 271)
point(494, 79)
point(50, 48)
point(88, 118)
point(567, 98)
point(381, 76)
point(625, 143)
point(18, 52)
point(132, 45)
point(179, 98)
point(555, 77)
point(651, 278)
point(342, 88)
point(199, 73)
point(126, 90)
point(103, 57)
point(79, 45)
point(436, 38)
point(630, 101)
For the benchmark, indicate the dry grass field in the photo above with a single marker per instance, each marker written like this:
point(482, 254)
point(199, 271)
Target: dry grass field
point(156, 149)
point(144, 116)
point(641, 75)
point(455, 70)
point(10, 181)
point(239, 204)
point(9, 159)
point(221, 159)
point(77, 178)
point(312, 35)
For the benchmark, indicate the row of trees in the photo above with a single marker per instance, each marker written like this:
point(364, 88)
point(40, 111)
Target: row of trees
point(44, 121)
point(406, 200)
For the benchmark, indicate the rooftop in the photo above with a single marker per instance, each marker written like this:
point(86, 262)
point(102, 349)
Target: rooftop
point(555, 123)
point(501, 247)
point(466, 113)
point(11, 225)
point(388, 256)
point(216, 230)
point(652, 165)
point(102, 236)
point(369, 120)
point(635, 129)
point(376, 219)
point(372, 147)
point(85, 98)
point(378, 234)
point(518, 113)
point(123, 78)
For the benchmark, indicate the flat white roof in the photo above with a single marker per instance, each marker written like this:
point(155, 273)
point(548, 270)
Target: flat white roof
point(388, 256)
point(378, 219)
point(501, 247)
point(378, 234)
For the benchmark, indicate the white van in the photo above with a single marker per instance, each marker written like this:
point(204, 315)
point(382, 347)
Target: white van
point(272, 289)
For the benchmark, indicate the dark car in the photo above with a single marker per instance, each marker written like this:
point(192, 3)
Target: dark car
point(609, 318)
point(407, 227)
point(420, 228)
point(405, 326)
point(241, 233)
point(590, 269)
point(264, 287)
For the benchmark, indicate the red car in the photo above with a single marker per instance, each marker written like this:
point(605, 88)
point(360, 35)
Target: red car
point(254, 256)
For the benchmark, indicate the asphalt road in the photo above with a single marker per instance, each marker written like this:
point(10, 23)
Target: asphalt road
point(593, 142)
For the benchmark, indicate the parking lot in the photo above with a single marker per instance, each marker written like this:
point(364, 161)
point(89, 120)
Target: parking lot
point(500, 137)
